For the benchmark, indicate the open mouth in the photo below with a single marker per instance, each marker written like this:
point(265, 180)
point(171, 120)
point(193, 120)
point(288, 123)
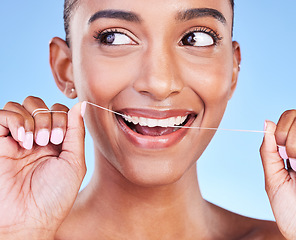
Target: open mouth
point(156, 127)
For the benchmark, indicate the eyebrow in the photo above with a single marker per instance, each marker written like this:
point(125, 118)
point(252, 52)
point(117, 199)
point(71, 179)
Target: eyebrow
point(199, 13)
point(181, 16)
point(123, 15)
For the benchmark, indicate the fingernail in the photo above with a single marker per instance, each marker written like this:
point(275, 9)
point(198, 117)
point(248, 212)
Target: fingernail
point(265, 125)
point(21, 134)
point(293, 163)
point(57, 136)
point(83, 107)
point(283, 152)
point(28, 141)
point(42, 137)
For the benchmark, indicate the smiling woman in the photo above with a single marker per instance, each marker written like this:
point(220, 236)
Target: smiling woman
point(169, 68)
point(155, 78)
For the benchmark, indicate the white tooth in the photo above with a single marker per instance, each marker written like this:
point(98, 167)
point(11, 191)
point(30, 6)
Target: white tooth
point(135, 120)
point(182, 120)
point(152, 122)
point(168, 122)
point(127, 118)
point(178, 120)
point(163, 122)
point(175, 121)
point(171, 122)
point(130, 119)
point(143, 121)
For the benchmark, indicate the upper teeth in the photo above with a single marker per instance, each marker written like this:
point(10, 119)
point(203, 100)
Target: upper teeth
point(150, 122)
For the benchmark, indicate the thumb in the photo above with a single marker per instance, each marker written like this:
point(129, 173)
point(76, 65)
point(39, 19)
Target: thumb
point(273, 165)
point(73, 145)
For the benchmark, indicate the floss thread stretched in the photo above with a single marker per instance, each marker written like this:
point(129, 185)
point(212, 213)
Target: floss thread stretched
point(44, 110)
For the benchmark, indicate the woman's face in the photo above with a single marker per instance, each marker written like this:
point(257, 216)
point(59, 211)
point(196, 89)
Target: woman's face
point(162, 63)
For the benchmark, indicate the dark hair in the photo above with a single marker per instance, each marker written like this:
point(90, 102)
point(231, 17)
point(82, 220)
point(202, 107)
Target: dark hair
point(69, 9)
point(232, 4)
point(71, 5)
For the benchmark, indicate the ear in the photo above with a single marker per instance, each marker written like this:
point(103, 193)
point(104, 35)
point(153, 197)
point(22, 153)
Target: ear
point(61, 66)
point(236, 66)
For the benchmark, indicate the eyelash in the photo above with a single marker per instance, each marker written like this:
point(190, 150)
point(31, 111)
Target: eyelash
point(216, 37)
point(100, 34)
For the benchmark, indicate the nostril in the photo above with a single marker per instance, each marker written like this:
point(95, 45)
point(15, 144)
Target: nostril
point(158, 77)
point(145, 93)
point(159, 89)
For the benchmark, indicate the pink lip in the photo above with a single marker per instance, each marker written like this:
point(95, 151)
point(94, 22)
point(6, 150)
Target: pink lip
point(151, 142)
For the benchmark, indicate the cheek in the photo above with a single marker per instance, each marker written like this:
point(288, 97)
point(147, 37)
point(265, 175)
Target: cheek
point(102, 78)
point(210, 79)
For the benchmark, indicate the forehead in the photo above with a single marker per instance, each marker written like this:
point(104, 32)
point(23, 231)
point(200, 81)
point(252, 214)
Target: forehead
point(153, 9)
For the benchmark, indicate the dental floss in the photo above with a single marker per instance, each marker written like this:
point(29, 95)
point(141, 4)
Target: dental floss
point(43, 110)
point(203, 128)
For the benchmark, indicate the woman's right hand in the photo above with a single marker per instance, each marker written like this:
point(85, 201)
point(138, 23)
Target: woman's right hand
point(42, 166)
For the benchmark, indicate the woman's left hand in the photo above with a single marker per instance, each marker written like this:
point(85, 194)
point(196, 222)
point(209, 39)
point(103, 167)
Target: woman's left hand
point(280, 181)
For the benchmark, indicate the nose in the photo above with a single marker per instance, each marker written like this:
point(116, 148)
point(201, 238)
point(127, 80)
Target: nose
point(158, 76)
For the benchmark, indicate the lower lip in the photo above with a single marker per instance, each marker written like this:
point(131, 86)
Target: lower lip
point(150, 142)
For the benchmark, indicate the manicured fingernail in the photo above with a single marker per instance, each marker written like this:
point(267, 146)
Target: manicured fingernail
point(57, 136)
point(42, 137)
point(83, 107)
point(21, 134)
point(293, 163)
point(283, 152)
point(28, 141)
point(265, 125)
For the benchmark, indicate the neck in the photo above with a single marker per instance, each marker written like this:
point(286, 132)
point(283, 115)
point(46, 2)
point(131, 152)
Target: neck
point(171, 210)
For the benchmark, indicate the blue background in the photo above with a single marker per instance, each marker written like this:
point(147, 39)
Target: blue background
point(230, 170)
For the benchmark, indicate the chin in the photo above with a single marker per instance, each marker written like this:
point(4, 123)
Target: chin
point(155, 172)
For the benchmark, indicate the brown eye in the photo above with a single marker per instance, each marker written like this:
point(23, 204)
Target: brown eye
point(197, 39)
point(188, 39)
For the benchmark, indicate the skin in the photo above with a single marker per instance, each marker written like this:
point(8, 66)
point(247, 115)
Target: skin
point(155, 74)
point(137, 192)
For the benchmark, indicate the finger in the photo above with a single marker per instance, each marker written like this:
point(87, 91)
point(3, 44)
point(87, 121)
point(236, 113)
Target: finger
point(283, 127)
point(12, 123)
point(273, 165)
point(59, 123)
point(27, 141)
point(42, 119)
point(73, 145)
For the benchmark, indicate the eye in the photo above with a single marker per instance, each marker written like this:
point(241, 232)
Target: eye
point(114, 37)
point(201, 37)
point(197, 39)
